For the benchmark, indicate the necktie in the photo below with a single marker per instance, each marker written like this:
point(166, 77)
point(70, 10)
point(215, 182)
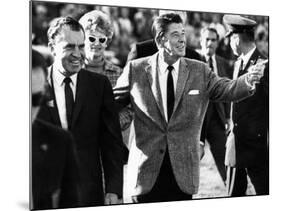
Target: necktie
point(170, 92)
point(210, 62)
point(69, 100)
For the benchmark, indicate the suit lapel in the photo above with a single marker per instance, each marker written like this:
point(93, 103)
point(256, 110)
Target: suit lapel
point(81, 92)
point(152, 75)
point(181, 83)
point(53, 109)
point(253, 59)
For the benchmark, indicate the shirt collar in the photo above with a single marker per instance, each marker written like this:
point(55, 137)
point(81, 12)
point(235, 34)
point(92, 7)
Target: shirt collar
point(163, 65)
point(247, 56)
point(210, 57)
point(58, 78)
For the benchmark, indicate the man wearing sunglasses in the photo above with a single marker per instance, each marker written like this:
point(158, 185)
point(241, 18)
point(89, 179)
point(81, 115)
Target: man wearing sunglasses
point(54, 168)
point(82, 103)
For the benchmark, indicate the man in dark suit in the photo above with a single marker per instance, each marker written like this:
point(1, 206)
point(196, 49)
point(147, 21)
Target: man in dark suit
point(216, 122)
point(169, 95)
point(82, 102)
point(54, 169)
point(247, 146)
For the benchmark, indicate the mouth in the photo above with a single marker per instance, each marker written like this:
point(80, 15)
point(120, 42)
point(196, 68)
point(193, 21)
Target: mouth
point(181, 48)
point(75, 62)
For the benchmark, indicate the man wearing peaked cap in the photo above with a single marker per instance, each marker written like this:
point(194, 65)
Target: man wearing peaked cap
point(238, 24)
point(247, 144)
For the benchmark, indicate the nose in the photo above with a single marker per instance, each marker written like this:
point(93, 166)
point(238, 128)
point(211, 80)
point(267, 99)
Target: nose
point(182, 38)
point(76, 52)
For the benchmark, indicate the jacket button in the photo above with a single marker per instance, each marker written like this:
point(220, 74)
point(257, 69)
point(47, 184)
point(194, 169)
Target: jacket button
point(161, 151)
point(235, 124)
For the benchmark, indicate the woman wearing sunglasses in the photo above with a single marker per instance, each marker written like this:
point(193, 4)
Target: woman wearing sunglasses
point(99, 32)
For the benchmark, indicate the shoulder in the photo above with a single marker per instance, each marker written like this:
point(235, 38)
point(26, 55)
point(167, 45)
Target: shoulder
point(195, 66)
point(87, 75)
point(140, 61)
point(193, 62)
point(146, 43)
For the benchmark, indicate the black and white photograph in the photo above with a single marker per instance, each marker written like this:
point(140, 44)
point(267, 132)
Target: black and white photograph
point(143, 106)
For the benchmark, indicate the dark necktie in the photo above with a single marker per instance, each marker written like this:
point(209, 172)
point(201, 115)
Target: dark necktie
point(210, 62)
point(69, 100)
point(170, 92)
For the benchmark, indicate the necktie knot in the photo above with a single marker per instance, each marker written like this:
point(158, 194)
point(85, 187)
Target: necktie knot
point(170, 68)
point(67, 80)
point(210, 62)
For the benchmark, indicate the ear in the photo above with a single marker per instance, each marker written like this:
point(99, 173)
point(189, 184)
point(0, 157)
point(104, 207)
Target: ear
point(160, 40)
point(51, 47)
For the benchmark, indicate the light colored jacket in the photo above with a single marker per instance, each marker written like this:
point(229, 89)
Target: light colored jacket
point(196, 84)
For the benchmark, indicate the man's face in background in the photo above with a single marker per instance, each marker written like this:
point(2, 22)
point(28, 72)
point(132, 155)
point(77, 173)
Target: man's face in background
point(209, 42)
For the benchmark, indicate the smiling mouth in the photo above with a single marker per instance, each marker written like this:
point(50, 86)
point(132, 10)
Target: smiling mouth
point(181, 47)
point(75, 62)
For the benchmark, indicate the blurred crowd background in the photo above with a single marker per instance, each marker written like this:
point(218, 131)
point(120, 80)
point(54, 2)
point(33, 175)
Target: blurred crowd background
point(134, 25)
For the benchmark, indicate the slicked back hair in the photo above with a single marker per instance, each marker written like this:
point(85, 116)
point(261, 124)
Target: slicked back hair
point(58, 23)
point(161, 23)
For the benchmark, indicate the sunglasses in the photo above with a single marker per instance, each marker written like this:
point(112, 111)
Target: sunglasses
point(38, 99)
point(93, 39)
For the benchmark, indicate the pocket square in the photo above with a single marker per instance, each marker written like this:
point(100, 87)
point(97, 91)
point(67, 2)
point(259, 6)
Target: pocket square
point(194, 92)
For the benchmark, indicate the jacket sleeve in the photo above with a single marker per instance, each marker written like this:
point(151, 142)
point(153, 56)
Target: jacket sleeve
point(122, 88)
point(114, 153)
point(224, 89)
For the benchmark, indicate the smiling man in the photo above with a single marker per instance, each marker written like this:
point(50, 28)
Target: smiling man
point(169, 95)
point(82, 102)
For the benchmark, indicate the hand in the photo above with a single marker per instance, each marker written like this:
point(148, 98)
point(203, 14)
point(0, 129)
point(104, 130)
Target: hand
point(111, 198)
point(255, 72)
point(202, 151)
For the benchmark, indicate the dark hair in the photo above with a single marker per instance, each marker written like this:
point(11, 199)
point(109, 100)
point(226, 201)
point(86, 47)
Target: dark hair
point(38, 61)
point(210, 29)
point(57, 24)
point(161, 23)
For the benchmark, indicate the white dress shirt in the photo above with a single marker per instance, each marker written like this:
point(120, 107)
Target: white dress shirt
point(163, 77)
point(58, 84)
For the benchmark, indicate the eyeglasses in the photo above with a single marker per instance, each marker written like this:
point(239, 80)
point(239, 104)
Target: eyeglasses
point(93, 39)
point(38, 99)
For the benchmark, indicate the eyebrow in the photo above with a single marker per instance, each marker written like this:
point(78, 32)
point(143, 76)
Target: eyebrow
point(178, 32)
point(73, 45)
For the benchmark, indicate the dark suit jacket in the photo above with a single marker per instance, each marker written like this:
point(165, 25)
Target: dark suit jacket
point(96, 130)
point(54, 167)
point(148, 48)
point(221, 109)
point(251, 119)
